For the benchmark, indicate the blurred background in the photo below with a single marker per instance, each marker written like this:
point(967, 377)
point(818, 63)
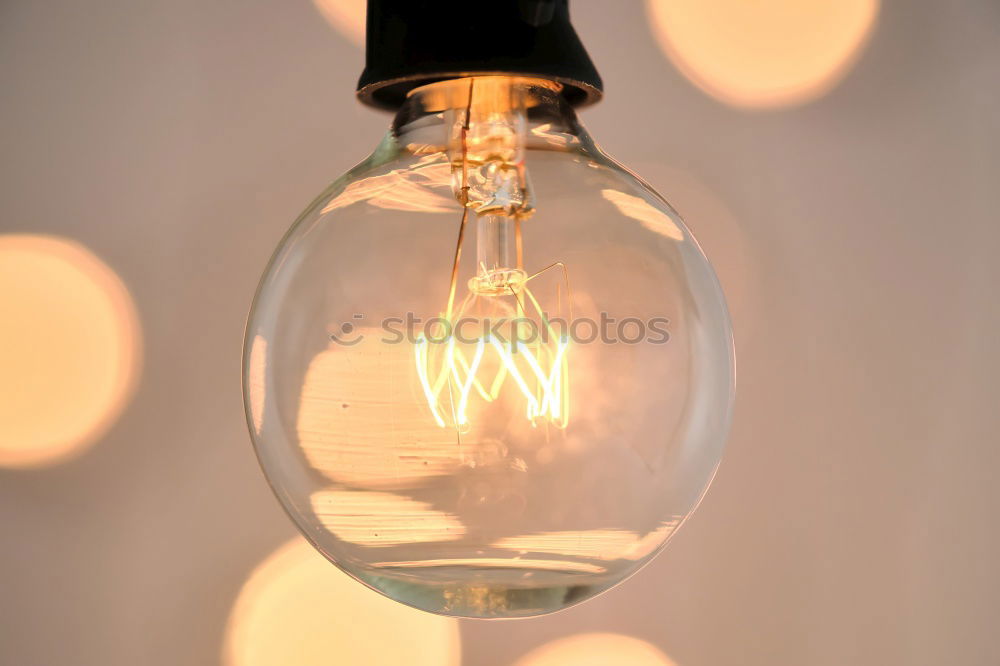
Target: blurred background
point(839, 162)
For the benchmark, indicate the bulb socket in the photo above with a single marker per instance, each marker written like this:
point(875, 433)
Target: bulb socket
point(414, 42)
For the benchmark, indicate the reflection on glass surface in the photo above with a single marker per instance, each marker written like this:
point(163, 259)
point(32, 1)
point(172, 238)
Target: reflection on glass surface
point(425, 187)
point(368, 518)
point(650, 217)
point(591, 544)
point(342, 427)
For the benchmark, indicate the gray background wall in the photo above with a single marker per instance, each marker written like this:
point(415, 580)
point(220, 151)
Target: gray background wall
point(853, 519)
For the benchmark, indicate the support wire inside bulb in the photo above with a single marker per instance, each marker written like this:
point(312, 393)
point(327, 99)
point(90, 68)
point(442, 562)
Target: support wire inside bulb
point(524, 350)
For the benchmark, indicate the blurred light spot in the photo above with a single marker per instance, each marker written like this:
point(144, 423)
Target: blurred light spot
point(639, 209)
point(297, 609)
point(597, 649)
point(69, 349)
point(763, 54)
point(370, 518)
point(346, 16)
point(362, 420)
point(256, 377)
point(590, 544)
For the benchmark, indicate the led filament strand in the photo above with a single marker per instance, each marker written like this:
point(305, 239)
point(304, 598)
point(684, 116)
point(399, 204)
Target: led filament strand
point(540, 374)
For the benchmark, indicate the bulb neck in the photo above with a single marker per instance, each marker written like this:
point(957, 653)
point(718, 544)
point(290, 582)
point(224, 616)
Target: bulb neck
point(429, 118)
point(481, 129)
point(414, 42)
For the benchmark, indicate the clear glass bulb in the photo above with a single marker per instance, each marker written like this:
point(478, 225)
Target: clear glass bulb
point(489, 372)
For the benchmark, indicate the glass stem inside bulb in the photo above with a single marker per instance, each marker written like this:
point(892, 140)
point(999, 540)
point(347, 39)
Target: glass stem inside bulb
point(489, 177)
point(487, 145)
point(498, 270)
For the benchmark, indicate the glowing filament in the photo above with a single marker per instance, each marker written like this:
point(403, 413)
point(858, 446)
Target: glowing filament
point(543, 385)
point(489, 177)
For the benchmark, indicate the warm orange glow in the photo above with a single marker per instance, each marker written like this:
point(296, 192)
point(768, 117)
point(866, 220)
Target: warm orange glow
point(346, 16)
point(298, 609)
point(768, 53)
point(368, 518)
point(69, 349)
point(597, 649)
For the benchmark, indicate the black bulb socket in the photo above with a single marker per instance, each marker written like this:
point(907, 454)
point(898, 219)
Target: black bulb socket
point(411, 43)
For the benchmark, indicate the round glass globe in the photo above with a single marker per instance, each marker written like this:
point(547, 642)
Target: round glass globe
point(474, 469)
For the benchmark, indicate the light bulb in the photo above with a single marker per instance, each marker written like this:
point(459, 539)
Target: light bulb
point(489, 372)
